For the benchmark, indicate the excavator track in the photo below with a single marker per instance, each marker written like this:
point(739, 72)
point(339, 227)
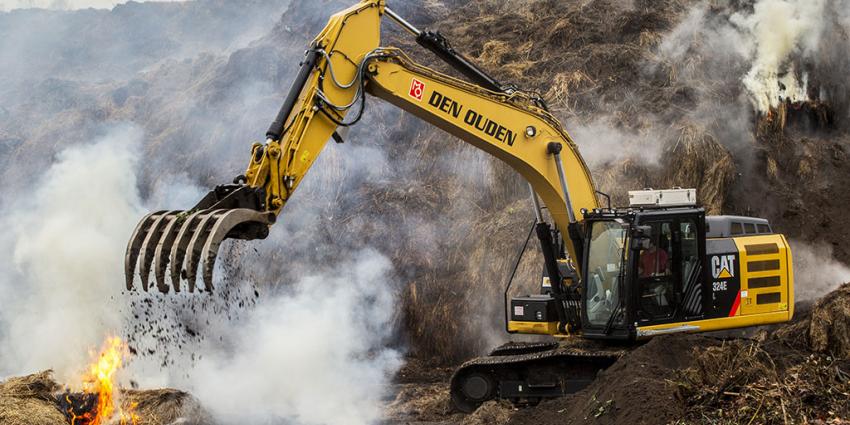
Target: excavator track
point(525, 373)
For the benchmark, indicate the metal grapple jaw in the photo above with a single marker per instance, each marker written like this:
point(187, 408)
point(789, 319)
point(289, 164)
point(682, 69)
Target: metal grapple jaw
point(182, 241)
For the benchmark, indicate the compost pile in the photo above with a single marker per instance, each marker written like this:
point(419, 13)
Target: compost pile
point(798, 373)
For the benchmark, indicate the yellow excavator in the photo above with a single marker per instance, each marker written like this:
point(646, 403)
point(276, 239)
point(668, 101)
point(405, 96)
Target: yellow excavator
point(656, 266)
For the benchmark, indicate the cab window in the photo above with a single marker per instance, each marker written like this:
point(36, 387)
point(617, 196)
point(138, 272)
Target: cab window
point(737, 228)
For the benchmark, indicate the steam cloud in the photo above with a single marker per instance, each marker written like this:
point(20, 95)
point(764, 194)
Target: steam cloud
point(61, 272)
point(313, 356)
point(816, 272)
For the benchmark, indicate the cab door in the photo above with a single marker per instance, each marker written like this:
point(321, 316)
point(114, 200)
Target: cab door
point(655, 277)
point(669, 274)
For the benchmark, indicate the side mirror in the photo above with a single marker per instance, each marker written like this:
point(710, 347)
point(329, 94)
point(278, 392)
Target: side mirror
point(640, 237)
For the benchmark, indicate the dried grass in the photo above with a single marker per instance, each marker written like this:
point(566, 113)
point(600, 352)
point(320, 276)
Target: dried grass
point(829, 329)
point(490, 413)
point(698, 160)
point(29, 400)
point(799, 374)
point(164, 407)
point(742, 382)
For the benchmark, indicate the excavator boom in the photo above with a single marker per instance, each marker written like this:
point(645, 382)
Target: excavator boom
point(342, 65)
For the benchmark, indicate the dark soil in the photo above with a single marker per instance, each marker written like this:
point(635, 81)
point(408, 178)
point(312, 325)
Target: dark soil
point(635, 390)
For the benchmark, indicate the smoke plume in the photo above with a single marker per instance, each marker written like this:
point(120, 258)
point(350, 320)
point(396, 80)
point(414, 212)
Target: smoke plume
point(778, 29)
point(60, 276)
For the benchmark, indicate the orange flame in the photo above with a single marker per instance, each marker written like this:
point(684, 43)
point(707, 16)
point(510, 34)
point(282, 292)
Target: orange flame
point(99, 380)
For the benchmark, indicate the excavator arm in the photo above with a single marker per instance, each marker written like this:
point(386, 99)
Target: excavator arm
point(342, 65)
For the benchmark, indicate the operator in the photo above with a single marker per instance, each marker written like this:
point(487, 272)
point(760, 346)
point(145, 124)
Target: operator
point(653, 261)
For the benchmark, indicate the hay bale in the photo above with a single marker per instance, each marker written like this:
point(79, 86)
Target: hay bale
point(29, 400)
point(829, 329)
point(490, 413)
point(164, 407)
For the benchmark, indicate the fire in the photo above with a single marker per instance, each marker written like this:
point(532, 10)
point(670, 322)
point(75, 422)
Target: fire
point(99, 384)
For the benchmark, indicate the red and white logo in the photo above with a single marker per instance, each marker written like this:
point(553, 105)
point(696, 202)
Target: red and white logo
point(417, 88)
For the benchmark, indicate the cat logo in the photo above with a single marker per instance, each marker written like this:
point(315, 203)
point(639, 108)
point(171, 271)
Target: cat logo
point(723, 266)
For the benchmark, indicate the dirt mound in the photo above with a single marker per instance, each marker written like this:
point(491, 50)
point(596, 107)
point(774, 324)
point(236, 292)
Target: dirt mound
point(641, 378)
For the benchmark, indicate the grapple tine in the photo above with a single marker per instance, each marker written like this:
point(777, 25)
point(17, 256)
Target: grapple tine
point(135, 245)
point(219, 231)
point(196, 245)
point(163, 250)
point(149, 245)
point(178, 250)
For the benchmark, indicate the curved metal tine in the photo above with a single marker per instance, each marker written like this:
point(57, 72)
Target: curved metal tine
point(178, 251)
point(162, 252)
point(149, 245)
point(135, 244)
point(193, 253)
point(222, 227)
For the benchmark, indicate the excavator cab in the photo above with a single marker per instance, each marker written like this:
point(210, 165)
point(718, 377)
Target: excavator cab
point(663, 266)
point(643, 267)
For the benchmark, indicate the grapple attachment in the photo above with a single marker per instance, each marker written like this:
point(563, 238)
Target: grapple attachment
point(182, 241)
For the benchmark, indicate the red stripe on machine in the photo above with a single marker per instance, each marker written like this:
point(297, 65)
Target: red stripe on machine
point(735, 305)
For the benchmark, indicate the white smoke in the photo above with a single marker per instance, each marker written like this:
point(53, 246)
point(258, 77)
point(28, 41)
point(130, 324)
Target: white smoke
point(778, 29)
point(601, 142)
point(7, 5)
point(816, 272)
point(314, 356)
point(61, 270)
